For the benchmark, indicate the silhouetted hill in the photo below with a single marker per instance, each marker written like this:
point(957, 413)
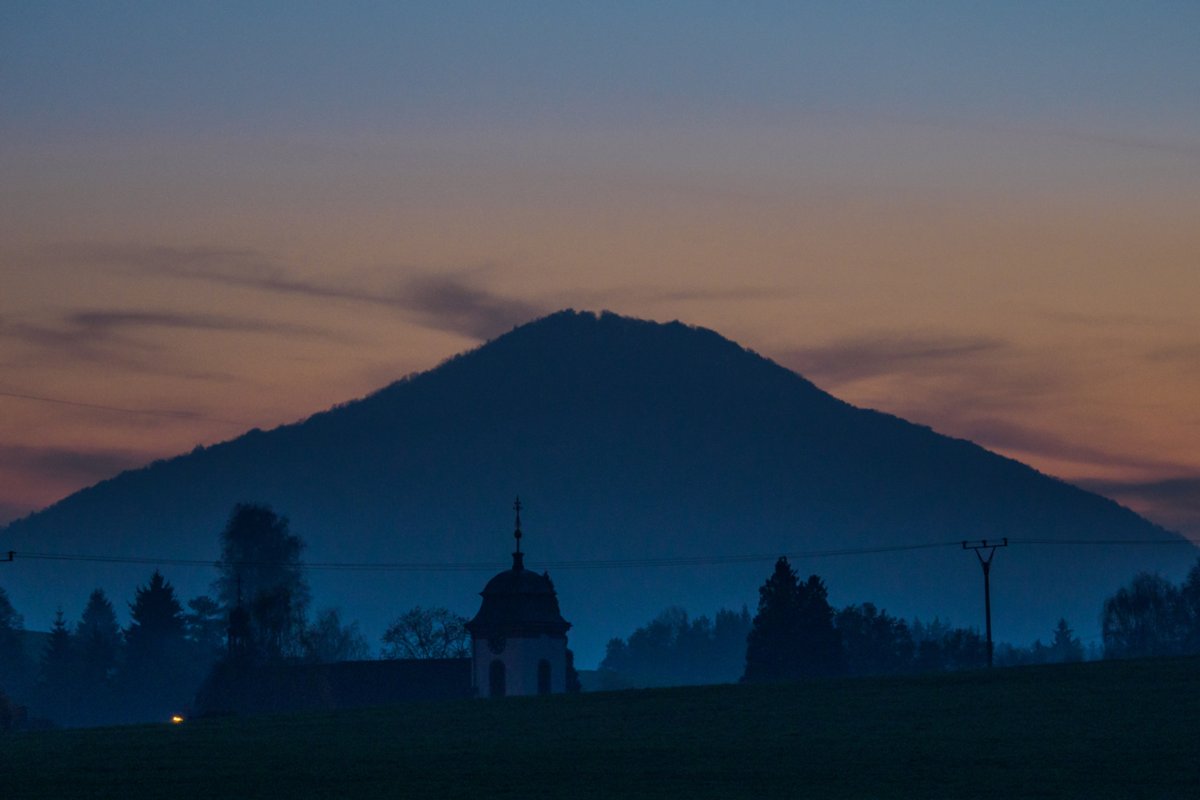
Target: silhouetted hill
point(626, 439)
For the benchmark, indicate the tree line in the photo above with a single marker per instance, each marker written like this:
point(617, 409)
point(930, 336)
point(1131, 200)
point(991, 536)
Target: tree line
point(96, 672)
point(797, 634)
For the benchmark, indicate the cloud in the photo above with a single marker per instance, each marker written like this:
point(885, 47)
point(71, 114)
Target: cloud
point(979, 388)
point(1185, 352)
point(621, 296)
point(162, 258)
point(444, 302)
point(1002, 434)
point(1173, 501)
point(451, 305)
point(104, 322)
point(108, 335)
point(857, 358)
point(93, 326)
point(149, 412)
point(1180, 493)
point(66, 464)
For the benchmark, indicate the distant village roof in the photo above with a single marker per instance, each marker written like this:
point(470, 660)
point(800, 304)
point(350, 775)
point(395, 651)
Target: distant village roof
point(518, 602)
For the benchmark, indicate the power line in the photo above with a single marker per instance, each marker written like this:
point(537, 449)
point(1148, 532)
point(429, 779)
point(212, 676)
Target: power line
point(406, 566)
point(616, 563)
point(1180, 540)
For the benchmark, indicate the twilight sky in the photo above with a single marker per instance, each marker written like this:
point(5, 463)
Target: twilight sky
point(981, 217)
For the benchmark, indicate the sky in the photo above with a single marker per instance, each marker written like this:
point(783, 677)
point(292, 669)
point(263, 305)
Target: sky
point(982, 217)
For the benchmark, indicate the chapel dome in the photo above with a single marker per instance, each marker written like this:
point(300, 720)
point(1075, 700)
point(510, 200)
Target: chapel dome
point(518, 602)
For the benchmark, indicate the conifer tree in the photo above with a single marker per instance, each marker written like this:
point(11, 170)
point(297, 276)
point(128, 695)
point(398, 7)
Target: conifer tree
point(57, 686)
point(1065, 648)
point(98, 637)
point(158, 676)
point(792, 635)
point(15, 668)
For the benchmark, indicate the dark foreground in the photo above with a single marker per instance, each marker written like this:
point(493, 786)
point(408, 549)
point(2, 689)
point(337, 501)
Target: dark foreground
point(1115, 729)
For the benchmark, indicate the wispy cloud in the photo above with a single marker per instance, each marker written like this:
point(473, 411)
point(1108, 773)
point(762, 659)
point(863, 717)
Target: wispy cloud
point(1175, 502)
point(65, 464)
point(117, 338)
point(853, 359)
point(1004, 434)
point(1182, 493)
point(1184, 352)
point(146, 412)
point(100, 325)
point(641, 295)
point(980, 388)
point(452, 303)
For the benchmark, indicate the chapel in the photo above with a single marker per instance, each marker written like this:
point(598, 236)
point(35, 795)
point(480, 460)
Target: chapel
point(519, 637)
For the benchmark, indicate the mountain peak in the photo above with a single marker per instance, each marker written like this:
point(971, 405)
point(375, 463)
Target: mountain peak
point(628, 439)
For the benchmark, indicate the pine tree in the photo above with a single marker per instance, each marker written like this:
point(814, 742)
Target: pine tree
point(822, 648)
point(99, 640)
point(57, 687)
point(1065, 648)
point(156, 619)
point(15, 668)
point(158, 677)
point(792, 635)
point(773, 645)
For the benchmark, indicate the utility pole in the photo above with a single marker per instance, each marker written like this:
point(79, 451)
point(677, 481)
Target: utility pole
point(986, 563)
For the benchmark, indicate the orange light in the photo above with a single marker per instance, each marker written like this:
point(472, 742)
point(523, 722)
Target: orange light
point(175, 720)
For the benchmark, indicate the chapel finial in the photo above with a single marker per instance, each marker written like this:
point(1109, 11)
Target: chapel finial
point(518, 557)
point(517, 531)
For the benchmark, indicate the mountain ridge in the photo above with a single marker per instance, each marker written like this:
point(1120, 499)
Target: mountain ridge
point(628, 439)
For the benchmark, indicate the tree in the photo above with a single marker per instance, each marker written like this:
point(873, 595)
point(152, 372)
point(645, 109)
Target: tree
point(205, 624)
point(98, 637)
point(159, 674)
point(156, 617)
point(328, 640)
point(875, 642)
point(730, 629)
point(792, 635)
point(1189, 610)
point(941, 646)
point(1143, 619)
point(673, 650)
point(57, 686)
point(963, 648)
point(260, 567)
point(14, 666)
point(1065, 649)
point(426, 633)
point(12, 715)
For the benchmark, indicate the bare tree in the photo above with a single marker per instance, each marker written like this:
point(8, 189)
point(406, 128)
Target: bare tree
point(426, 633)
point(327, 640)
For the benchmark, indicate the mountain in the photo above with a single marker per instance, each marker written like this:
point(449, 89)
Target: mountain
point(626, 439)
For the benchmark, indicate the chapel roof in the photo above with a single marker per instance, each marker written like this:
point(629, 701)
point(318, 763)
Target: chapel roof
point(518, 601)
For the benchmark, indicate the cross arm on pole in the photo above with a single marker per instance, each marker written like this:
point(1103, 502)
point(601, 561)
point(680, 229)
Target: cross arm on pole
point(983, 544)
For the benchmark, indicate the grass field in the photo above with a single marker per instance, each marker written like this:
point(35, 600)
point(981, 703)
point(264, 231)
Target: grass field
point(1112, 729)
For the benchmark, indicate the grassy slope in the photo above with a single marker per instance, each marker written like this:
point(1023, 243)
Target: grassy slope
point(1117, 729)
